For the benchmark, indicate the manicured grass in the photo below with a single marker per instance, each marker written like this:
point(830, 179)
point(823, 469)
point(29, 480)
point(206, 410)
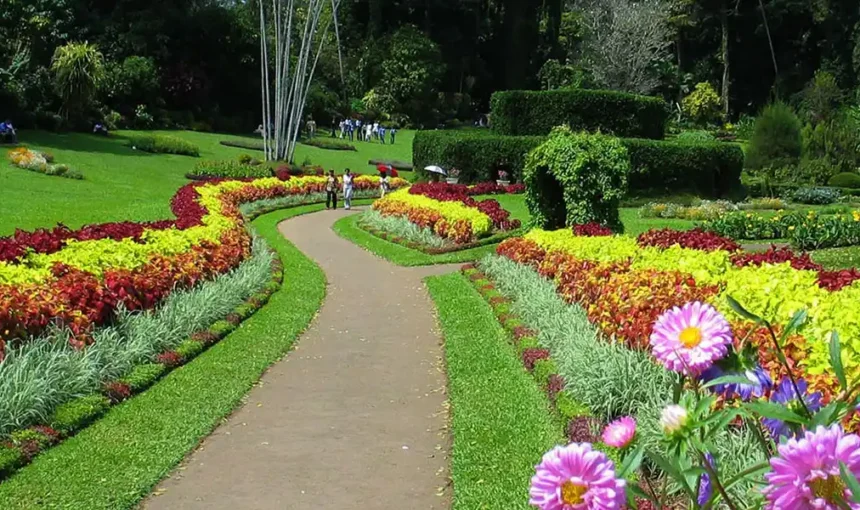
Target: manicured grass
point(338, 160)
point(116, 461)
point(501, 422)
point(838, 258)
point(123, 184)
point(634, 225)
point(348, 229)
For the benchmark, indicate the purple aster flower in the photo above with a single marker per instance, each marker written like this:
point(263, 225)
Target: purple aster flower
point(706, 490)
point(575, 477)
point(691, 338)
point(806, 471)
point(786, 396)
point(760, 382)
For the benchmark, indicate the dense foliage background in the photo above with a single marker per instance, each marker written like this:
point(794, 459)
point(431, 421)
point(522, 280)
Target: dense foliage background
point(195, 63)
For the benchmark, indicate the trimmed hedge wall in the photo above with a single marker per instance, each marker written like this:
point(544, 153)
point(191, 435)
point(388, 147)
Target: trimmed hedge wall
point(521, 112)
point(711, 169)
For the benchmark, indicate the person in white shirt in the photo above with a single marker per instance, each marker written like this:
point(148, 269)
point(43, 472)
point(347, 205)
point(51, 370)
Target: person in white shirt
point(347, 188)
point(376, 129)
point(383, 183)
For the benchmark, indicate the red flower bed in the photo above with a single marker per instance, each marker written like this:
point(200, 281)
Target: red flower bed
point(482, 188)
point(591, 230)
point(776, 255)
point(835, 280)
point(521, 251)
point(696, 239)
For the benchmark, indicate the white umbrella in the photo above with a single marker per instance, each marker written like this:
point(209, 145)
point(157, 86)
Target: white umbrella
point(435, 169)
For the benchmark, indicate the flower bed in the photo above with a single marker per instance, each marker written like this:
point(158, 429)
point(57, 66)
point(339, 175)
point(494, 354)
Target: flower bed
point(448, 211)
point(810, 231)
point(624, 284)
point(77, 279)
point(41, 162)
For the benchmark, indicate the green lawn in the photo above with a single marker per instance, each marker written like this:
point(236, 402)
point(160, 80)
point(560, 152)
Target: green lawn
point(116, 461)
point(501, 422)
point(122, 184)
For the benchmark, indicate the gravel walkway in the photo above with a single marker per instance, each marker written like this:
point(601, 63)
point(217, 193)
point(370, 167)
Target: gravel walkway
point(353, 418)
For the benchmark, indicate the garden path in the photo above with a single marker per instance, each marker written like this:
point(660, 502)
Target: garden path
point(353, 418)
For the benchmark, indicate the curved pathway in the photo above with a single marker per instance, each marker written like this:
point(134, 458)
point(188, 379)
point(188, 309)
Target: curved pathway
point(353, 418)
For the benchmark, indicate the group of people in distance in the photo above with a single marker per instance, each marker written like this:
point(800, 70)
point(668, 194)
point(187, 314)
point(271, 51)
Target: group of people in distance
point(7, 132)
point(332, 186)
point(353, 129)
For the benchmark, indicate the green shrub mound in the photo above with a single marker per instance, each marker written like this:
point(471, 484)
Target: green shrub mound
point(254, 145)
point(520, 112)
point(162, 144)
point(329, 144)
point(576, 178)
point(709, 169)
point(776, 141)
point(228, 168)
point(845, 180)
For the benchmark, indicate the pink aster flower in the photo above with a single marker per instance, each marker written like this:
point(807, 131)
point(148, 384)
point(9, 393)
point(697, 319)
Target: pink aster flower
point(691, 338)
point(806, 472)
point(575, 477)
point(620, 432)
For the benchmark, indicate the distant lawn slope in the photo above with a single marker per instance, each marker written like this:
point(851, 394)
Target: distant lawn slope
point(123, 184)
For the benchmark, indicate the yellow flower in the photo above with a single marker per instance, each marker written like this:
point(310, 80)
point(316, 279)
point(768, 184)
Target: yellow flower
point(791, 227)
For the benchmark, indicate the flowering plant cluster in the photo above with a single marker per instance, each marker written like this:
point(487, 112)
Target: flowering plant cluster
point(696, 239)
point(78, 278)
point(41, 162)
point(812, 462)
point(809, 231)
point(592, 229)
point(449, 212)
point(623, 286)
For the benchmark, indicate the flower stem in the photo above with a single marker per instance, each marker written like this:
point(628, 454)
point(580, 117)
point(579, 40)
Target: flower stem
point(716, 481)
point(782, 359)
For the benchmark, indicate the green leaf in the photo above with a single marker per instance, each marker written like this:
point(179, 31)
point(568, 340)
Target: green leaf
point(836, 360)
point(670, 470)
point(775, 411)
point(728, 379)
point(740, 310)
point(796, 321)
point(850, 481)
point(631, 462)
point(825, 416)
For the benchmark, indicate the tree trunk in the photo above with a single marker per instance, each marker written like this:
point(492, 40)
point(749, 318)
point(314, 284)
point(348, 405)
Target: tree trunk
point(724, 54)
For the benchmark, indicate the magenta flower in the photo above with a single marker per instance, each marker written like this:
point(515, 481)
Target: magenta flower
point(575, 477)
point(690, 339)
point(806, 472)
point(620, 432)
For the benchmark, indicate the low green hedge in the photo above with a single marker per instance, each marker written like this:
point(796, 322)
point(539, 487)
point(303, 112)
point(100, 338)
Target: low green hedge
point(164, 144)
point(845, 180)
point(710, 169)
point(521, 112)
point(227, 168)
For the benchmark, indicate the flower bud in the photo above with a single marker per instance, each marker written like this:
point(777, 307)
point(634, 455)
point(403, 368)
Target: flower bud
point(673, 419)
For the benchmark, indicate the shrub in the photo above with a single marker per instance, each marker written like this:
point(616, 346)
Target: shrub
point(776, 140)
point(254, 145)
point(221, 328)
point(835, 141)
point(11, 459)
point(709, 169)
point(189, 349)
point(575, 179)
point(543, 369)
point(329, 144)
point(162, 144)
point(695, 136)
point(229, 168)
point(518, 112)
point(815, 171)
point(703, 104)
point(845, 180)
point(74, 415)
point(816, 196)
point(142, 376)
point(568, 408)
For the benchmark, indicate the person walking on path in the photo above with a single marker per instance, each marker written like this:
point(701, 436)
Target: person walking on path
point(382, 134)
point(383, 183)
point(331, 191)
point(347, 189)
point(393, 132)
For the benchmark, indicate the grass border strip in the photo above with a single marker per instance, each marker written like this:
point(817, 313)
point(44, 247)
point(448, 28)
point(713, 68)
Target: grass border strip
point(386, 236)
